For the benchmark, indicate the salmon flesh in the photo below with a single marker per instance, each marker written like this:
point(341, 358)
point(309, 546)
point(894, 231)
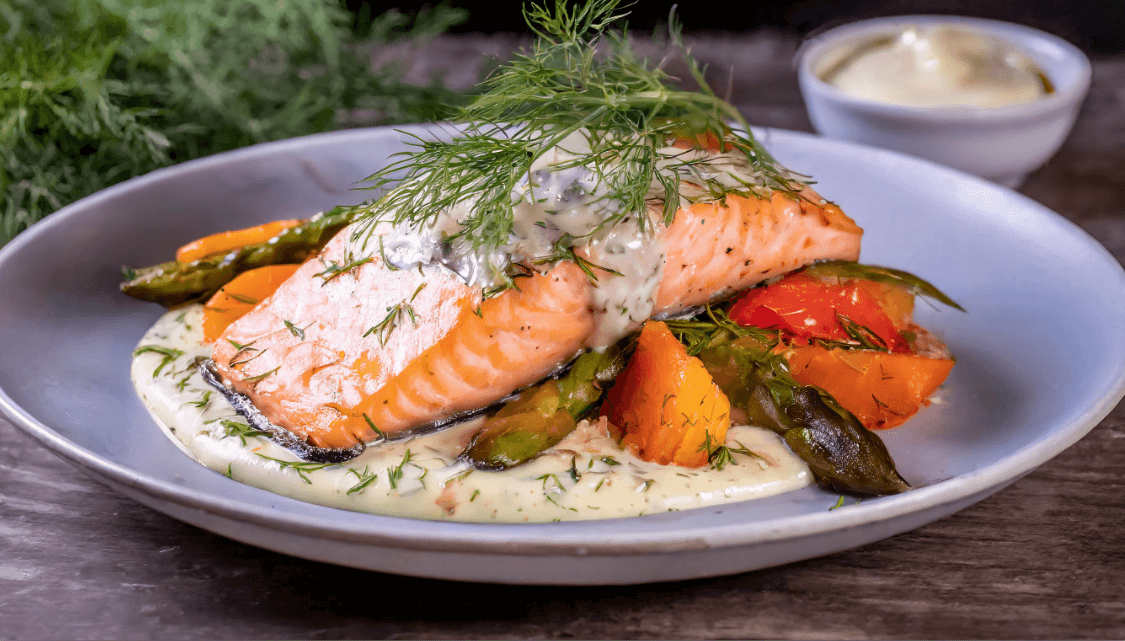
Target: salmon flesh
point(346, 350)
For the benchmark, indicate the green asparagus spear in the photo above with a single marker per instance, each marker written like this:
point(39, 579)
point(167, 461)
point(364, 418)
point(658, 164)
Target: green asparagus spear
point(886, 275)
point(842, 454)
point(174, 283)
point(543, 415)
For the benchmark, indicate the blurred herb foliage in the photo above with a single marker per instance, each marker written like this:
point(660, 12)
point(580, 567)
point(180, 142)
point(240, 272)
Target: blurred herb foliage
point(93, 92)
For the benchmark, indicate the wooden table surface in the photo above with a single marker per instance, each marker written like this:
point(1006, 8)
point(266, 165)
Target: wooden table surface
point(1044, 558)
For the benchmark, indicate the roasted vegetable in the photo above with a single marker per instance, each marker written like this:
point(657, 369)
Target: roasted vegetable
point(805, 307)
point(225, 241)
point(543, 415)
point(842, 454)
point(848, 329)
point(175, 283)
point(882, 390)
point(241, 295)
point(665, 404)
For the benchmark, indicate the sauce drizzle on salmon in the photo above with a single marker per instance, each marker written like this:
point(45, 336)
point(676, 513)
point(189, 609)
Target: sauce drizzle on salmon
point(397, 348)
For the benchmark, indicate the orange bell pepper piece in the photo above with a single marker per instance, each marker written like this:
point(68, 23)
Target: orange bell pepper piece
point(880, 388)
point(664, 405)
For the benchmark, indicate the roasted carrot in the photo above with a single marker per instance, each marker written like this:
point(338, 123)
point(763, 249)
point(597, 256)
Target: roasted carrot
point(665, 406)
point(241, 295)
point(228, 240)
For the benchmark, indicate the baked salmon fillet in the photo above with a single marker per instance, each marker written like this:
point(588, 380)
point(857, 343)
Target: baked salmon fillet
point(346, 351)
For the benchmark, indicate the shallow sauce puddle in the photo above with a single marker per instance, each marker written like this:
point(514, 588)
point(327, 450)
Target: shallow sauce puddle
point(586, 476)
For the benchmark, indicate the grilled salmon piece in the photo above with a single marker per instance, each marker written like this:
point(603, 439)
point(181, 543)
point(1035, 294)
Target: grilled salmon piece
point(715, 249)
point(403, 347)
point(308, 354)
point(334, 352)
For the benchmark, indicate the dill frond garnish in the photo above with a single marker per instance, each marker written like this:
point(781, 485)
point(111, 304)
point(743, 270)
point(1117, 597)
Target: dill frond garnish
point(262, 376)
point(293, 329)
point(579, 79)
point(374, 428)
point(864, 337)
point(302, 468)
point(241, 430)
point(366, 477)
point(98, 91)
point(168, 353)
point(203, 400)
point(245, 300)
point(333, 270)
point(383, 328)
point(720, 456)
point(396, 473)
point(392, 320)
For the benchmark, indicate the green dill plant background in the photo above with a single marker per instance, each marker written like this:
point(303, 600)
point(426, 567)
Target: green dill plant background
point(93, 92)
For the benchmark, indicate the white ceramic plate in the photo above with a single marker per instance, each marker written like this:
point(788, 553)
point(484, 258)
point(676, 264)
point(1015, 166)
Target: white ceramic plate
point(1041, 359)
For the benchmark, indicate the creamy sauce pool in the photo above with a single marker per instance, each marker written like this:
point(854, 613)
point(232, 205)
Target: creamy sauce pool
point(586, 476)
point(940, 66)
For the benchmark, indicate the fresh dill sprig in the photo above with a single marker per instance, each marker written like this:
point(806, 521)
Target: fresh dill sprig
point(366, 477)
point(396, 473)
point(168, 353)
point(553, 478)
point(97, 91)
point(375, 428)
point(299, 332)
point(580, 78)
point(241, 430)
point(573, 471)
point(203, 401)
point(242, 298)
point(714, 326)
point(301, 467)
point(720, 456)
point(262, 376)
point(236, 363)
point(333, 270)
point(393, 319)
point(862, 335)
point(384, 327)
point(569, 253)
point(182, 383)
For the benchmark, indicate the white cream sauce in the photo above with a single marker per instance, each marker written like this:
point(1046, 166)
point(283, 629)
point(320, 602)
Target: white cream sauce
point(941, 66)
point(562, 199)
point(586, 476)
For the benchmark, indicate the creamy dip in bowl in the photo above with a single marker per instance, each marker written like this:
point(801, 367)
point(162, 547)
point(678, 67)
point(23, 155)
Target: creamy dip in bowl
point(940, 66)
point(990, 98)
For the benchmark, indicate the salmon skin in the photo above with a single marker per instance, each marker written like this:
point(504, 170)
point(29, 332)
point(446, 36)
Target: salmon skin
point(351, 351)
point(244, 406)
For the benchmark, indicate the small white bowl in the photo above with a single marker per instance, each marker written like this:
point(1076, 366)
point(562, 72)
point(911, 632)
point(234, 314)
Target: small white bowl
point(1002, 144)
